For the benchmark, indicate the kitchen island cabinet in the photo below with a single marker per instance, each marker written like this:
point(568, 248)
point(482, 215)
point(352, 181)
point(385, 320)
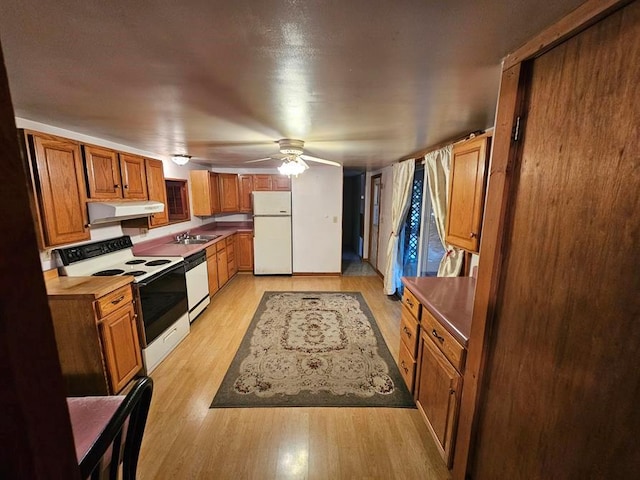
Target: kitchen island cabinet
point(435, 326)
point(96, 333)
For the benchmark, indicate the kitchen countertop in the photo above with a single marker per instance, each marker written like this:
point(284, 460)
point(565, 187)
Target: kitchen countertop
point(164, 246)
point(448, 299)
point(79, 287)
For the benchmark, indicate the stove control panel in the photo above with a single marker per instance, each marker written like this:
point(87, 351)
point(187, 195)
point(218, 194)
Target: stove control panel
point(95, 249)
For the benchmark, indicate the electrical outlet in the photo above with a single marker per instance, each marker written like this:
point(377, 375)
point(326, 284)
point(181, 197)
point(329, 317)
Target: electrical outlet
point(47, 254)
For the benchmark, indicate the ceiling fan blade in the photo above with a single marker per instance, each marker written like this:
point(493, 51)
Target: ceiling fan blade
point(300, 160)
point(320, 160)
point(259, 160)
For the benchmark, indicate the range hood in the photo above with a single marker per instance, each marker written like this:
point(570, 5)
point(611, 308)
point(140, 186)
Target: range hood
point(108, 212)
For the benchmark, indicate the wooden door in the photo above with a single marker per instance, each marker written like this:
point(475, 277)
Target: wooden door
point(560, 396)
point(466, 193)
point(376, 195)
point(157, 191)
point(212, 269)
point(214, 193)
point(103, 173)
point(280, 183)
point(134, 178)
point(438, 394)
point(246, 187)
point(262, 183)
point(62, 191)
point(228, 192)
point(223, 267)
point(119, 335)
point(244, 253)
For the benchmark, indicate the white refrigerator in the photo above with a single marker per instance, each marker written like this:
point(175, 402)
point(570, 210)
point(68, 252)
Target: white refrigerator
point(272, 233)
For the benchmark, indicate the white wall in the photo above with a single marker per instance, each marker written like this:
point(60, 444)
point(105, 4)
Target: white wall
point(103, 232)
point(316, 197)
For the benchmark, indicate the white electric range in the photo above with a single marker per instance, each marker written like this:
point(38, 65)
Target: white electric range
point(160, 290)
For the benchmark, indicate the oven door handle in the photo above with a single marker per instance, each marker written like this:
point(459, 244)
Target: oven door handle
point(160, 274)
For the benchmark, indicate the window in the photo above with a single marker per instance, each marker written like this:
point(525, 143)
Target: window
point(177, 200)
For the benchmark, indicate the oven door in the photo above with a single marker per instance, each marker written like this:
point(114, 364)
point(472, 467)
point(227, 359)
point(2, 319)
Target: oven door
point(163, 300)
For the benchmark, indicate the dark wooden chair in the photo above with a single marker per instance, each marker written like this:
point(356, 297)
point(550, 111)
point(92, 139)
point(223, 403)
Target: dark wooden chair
point(108, 431)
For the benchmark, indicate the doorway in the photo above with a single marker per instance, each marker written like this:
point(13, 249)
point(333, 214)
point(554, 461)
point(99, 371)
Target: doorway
point(374, 231)
point(353, 203)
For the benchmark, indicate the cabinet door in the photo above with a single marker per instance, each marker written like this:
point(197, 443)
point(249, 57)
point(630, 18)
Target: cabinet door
point(121, 348)
point(212, 270)
point(438, 395)
point(262, 183)
point(232, 267)
point(244, 251)
point(62, 192)
point(466, 193)
point(157, 191)
point(134, 178)
point(103, 173)
point(214, 193)
point(246, 187)
point(228, 192)
point(223, 267)
point(280, 183)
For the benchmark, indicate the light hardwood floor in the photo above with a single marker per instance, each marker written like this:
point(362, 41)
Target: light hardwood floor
point(184, 438)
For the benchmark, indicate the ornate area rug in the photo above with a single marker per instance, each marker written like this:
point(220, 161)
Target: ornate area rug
point(313, 349)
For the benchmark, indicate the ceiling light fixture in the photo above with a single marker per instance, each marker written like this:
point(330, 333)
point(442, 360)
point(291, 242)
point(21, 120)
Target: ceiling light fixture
point(292, 166)
point(180, 158)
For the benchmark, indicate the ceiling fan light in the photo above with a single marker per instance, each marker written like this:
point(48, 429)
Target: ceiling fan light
point(291, 167)
point(180, 159)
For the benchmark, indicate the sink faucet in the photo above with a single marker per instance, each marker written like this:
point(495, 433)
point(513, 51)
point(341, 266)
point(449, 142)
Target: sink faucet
point(182, 236)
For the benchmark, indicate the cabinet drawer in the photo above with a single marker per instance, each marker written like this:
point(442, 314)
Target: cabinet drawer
point(409, 331)
point(407, 366)
point(454, 352)
point(114, 300)
point(411, 302)
point(231, 253)
point(220, 246)
point(230, 241)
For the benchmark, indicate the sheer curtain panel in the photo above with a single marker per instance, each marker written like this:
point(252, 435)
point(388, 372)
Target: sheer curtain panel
point(438, 167)
point(401, 198)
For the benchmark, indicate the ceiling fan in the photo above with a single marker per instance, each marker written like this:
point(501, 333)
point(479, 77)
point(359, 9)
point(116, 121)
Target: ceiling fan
point(294, 160)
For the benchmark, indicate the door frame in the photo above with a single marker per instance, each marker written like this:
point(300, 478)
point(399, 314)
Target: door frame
point(505, 151)
point(371, 200)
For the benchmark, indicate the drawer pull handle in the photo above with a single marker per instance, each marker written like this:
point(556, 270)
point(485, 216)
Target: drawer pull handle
point(407, 331)
point(452, 391)
point(437, 337)
point(409, 302)
point(404, 367)
point(117, 300)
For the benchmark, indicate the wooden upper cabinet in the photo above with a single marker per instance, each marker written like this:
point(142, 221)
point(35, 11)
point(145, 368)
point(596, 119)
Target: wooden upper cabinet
point(466, 193)
point(134, 178)
point(157, 191)
point(246, 187)
point(103, 173)
point(280, 183)
point(229, 201)
point(262, 183)
point(204, 192)
point(60, 189)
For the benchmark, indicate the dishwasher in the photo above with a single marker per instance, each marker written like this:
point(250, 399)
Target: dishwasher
point(197, 283)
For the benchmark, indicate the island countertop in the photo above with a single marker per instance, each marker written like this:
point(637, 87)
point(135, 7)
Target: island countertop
point(448, 299)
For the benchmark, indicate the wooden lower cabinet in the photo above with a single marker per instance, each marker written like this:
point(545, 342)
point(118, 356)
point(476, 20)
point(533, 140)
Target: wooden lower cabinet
point(212, 269)
point(223, 264)
point(97, 340)
point(232, 264)
point(437, 394)
point(244, 251)
point(121, 348)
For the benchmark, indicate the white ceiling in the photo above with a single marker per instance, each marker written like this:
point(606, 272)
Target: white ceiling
point(363, 82)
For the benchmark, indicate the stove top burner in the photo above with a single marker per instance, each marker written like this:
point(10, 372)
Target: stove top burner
point(135, 273)
point(154, 263)
point(134, 262)
point(108, 273)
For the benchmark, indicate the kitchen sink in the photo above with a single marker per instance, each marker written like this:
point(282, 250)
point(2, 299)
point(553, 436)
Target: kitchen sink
point(196, 239)
point(190, 241)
